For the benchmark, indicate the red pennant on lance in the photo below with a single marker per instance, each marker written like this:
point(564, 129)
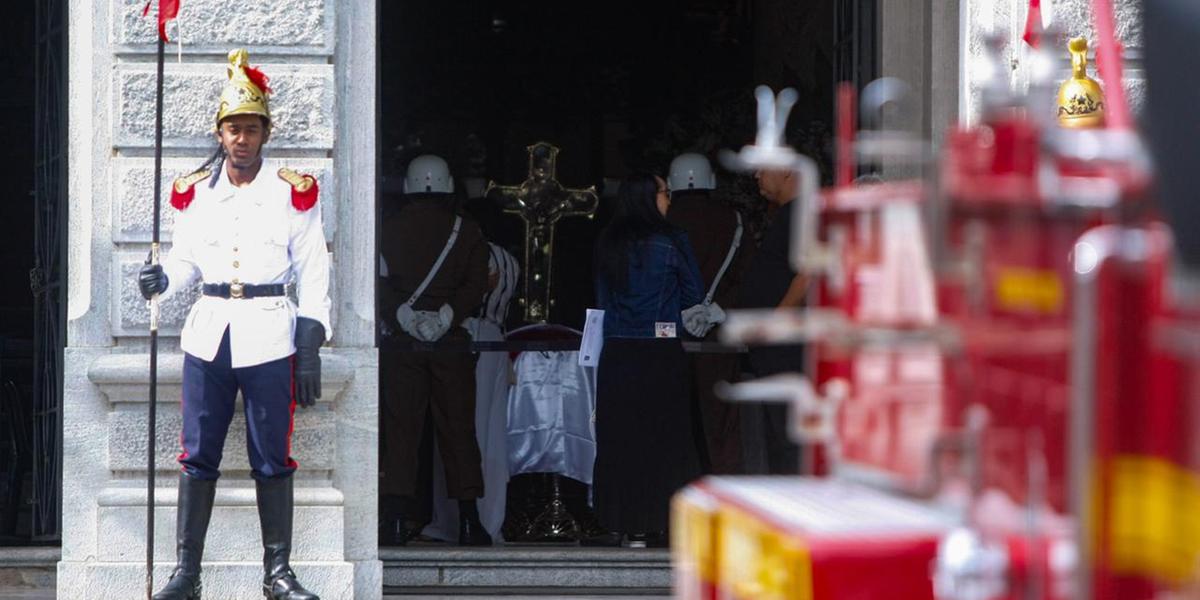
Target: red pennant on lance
point(1033, 24)
point(167, 10)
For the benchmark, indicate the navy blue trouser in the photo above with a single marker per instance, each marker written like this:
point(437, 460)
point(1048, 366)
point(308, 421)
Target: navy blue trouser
point(209, 394)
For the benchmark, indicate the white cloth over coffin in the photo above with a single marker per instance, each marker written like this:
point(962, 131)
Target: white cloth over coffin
point(550, 416)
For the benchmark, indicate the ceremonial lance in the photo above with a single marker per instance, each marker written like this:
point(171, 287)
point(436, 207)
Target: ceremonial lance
point(167, 10)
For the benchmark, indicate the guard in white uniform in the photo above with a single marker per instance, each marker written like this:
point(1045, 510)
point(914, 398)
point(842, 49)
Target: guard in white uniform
point(249, 235)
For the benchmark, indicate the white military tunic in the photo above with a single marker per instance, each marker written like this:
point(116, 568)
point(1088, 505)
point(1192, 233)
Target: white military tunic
point(251, 235)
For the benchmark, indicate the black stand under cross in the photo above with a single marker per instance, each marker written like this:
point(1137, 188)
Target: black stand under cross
point(541, 201)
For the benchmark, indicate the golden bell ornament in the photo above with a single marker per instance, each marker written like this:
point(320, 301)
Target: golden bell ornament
point(246, 92)
point(1080, 98)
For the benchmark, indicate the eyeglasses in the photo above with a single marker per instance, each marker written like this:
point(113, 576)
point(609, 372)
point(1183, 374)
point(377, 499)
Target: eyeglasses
point(664, 191)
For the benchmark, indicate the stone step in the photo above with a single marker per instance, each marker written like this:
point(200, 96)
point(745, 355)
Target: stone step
point(222, 580)
point(32, 573)
point(558, 571)
point(506, 594)
point(513, 572)
point(23, 594)
point(28, 572)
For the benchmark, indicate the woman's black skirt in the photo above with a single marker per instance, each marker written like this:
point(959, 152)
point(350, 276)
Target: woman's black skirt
point(645, 445)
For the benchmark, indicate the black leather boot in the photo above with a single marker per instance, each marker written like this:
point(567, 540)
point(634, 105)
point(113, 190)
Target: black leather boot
point(470, 530)
point(590, 531)
point(397, 532)
point(395, 526)
point(191, 527)
point(275, 504)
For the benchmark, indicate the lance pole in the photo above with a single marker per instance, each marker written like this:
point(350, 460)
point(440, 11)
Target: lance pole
point(152, 412)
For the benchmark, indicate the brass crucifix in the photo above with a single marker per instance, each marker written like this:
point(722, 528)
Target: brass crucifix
point(541, 201)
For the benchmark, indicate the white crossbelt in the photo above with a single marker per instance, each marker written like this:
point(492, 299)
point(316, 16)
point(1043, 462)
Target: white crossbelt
point(437, 265)
point(733, 248)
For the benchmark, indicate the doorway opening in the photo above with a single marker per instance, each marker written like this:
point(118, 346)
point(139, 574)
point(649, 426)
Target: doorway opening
point(618, 87)
point(32, 305)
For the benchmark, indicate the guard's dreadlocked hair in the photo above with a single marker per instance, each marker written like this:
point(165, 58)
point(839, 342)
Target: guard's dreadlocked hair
point(218, 158)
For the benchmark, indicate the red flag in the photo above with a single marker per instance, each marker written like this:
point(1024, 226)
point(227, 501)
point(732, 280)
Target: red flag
point(1033, 24)
point(167, 10)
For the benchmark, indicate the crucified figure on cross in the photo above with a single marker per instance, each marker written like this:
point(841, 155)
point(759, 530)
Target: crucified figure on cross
point(541, 201)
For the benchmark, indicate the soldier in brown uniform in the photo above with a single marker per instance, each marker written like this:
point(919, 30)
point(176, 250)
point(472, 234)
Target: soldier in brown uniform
point(713, 226)
point(435, 273)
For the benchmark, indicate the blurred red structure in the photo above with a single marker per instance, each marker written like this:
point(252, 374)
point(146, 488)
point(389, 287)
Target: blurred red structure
point(1018, 368)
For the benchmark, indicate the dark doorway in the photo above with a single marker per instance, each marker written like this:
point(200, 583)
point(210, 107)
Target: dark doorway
point(32, 303)
point(618, 86)
point(856, 34)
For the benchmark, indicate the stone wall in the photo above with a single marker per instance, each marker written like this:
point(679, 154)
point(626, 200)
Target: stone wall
point(320, 55)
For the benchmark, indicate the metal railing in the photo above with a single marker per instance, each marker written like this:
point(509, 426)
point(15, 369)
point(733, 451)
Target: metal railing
point(47, 278)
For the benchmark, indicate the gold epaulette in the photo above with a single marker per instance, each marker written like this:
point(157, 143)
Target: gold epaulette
point(185, 183)
point(299, 182)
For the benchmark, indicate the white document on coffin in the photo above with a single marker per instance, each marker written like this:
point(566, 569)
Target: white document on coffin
point(593, 339)
point(550, 416)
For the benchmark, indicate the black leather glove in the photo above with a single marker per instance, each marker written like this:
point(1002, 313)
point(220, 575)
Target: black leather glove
point(310, 334)
point(152, 280)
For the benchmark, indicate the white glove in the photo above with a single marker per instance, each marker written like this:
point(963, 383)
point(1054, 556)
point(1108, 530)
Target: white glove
point(701, 318)
point(407, 317)
point(695, 320)
point(425, 325)
point(431, 326)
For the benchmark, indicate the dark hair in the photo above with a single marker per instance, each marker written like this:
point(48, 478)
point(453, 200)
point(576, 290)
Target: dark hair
point(217, 159)
point(635, 220)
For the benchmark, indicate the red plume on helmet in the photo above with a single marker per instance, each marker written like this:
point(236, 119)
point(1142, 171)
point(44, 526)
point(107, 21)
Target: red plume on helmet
point(258, 78)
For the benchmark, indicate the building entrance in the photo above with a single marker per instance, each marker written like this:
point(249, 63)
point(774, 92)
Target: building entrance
point(617, 88)
point(33, 296)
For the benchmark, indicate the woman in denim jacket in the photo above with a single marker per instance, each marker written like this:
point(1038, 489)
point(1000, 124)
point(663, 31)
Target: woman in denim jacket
point(645, 444)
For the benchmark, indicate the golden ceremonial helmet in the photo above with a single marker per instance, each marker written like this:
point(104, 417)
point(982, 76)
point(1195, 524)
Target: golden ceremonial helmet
point(1080, 98)
point(247, 92)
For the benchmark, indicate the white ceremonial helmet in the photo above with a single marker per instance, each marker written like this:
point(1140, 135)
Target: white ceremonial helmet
point(428, 174)
point(691, 171)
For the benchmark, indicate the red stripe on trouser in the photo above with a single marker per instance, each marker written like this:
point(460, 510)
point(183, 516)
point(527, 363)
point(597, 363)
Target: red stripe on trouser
point(292, 416)
point(183, 453)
